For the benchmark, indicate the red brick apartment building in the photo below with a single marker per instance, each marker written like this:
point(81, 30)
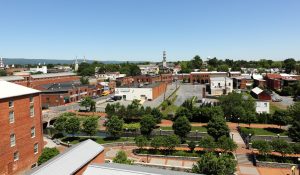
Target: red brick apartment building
point(204, 77)
point(153, 78)
point(20, 128)
point(35, 81)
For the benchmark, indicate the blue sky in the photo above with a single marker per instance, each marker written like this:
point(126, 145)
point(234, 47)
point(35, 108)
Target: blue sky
point(137, 30)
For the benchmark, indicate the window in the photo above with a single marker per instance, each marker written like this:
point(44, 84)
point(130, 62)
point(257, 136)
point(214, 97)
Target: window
point(11, 103)
point(16, 156)
point(32, 132)
point(31, 99)
point(265, 104)
point(36, 148)
point(11, 117)
point(31, 111)
point(12, 140)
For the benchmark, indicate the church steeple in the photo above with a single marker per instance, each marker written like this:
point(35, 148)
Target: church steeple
point(164, 63)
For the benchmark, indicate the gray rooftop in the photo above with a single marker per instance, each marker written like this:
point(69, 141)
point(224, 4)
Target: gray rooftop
point(144, 85)
point(12, 78)
point(121, 169)
point(53, 75)
point(71, 160)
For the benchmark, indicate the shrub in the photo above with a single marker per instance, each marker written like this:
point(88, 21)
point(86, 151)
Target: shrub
point(47, 154)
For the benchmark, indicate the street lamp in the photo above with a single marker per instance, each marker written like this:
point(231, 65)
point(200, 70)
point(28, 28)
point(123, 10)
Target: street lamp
point(196, 135)
point(239, 121)
point(68, 143)
point(126, 133)
point(160, 131)
point(278, 135)
point(232, 136)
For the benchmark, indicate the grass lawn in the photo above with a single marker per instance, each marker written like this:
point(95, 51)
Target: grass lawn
point(74, 140)
point(170, 109)
point(268, 131)
point(275, 106)
point(194, 128)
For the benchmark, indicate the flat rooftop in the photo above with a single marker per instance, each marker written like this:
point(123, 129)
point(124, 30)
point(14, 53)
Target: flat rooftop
point(122, 169)
point(50, 75)
point(141, 85)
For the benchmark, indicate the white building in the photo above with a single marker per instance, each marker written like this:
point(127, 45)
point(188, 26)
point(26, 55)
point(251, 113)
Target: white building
point(141, 91)
point(110, 75)
point(39, 69)
point(262, 107)
point(220, 85)
point(149, 69)
point(2, 66)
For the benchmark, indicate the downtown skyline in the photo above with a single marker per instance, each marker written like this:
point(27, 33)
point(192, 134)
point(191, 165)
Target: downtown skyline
point(135, 31)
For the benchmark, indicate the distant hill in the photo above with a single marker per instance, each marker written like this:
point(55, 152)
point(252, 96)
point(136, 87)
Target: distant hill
point(24, 61)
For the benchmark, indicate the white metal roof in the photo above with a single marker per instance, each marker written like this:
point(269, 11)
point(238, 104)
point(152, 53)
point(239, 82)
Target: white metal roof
point(122, 169)
point(212, 72)
point(8, 90)
point(220, 79)
point(257, 90)
point(53, 75)
point(12, 78)
point(72, 160)
point(257, 76)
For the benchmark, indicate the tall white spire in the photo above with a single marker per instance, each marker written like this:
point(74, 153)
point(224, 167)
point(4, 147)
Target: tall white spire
point(2, 66)
point(164, 59)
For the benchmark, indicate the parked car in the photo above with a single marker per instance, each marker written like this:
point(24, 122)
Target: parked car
point(105, 93)
point(110, 100)
point(117, 98)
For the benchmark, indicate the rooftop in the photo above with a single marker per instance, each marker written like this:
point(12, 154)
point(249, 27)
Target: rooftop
point(141, 85)
point(13, 90)
point(12, 78)
point(53, 75)
point(70, 161)
point(257, 90)
point(121, 169)
point(212, 72)
point(219, 79)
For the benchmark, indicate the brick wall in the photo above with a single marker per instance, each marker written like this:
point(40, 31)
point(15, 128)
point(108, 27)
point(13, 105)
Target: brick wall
point(158, 90)
point(22, 130)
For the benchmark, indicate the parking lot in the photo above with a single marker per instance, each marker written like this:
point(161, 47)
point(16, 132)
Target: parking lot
point(154, 103)
point(187, 91)
point(286, 100)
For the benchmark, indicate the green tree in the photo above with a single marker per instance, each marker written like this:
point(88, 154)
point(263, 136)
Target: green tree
point(281, 146)
point(281, 118)
point(289, 65)
point(157, 142)
point(72, 125)
point(114, 126)
point(86, 102)
point(196, 62)
point(141, 142)
point(84, 80)
point(47, 154)
point(2, 72)
point(59, 123)
point(237, 105)
point(217, 127)
point(210, 164)
point(156, 114)
point(207, 142)
point(227, 144)
point(90, 125)
point(170, 142)
point(182, 111)
point(264, 147)
point(121, 158)
point(192, 146)
point(294, 130)
point(223, 68)
point(182, 127)
point(148, 123)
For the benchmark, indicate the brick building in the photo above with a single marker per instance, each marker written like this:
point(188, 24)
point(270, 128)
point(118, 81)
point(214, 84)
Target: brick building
point(239, 82)
point(57, 94)
point(21, 128)
point(168, 78)
point(260, 94)
point(204, 77)
point(273, 81)
point(35, 81)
